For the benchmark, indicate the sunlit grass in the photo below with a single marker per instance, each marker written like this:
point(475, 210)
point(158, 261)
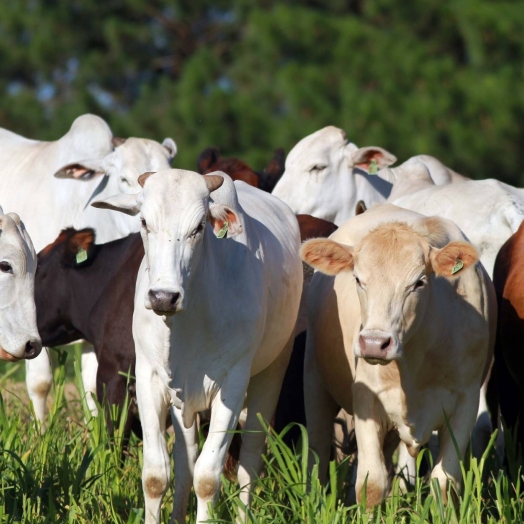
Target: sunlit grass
point(74, 472)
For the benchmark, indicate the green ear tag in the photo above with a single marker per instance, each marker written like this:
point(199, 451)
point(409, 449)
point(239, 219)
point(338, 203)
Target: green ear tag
point(223, 232)
point(81, 256)
point(457, 267)
point(373, 167)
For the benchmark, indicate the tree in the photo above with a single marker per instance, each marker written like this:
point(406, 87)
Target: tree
point(437, 77)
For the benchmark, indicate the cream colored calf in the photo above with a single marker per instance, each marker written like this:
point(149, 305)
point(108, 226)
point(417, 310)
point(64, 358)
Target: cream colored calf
point(401, 337)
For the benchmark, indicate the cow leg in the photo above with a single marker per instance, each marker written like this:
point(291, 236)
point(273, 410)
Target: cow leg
point(225, 410)
point(185, 455)
point(321, 410)
point(371, 470)
point(406, 467)
point(153, 411)
point(89, 370)
point(39, 378)
point(482, 430)
point(262, 397)
point(448, 463)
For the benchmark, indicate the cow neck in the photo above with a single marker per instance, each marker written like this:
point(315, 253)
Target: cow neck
point(114, 260)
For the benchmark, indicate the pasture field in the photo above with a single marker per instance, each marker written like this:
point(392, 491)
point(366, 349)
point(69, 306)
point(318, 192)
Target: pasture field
point(74, 473)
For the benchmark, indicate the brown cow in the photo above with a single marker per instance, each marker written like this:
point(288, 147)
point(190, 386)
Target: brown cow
point(210, 160)
point(508, 278)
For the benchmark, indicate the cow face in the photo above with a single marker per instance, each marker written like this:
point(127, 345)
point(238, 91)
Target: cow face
point(176, 215)
point(393, 269)
point(318, 178)
point(18, 332)
point(130, 158)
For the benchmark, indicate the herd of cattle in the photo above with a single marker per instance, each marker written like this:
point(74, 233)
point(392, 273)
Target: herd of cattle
point(194, 284)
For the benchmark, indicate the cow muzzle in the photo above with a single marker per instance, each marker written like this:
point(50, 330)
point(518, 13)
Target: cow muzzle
point(376, 347)
point(30, 350)
point(164, 302)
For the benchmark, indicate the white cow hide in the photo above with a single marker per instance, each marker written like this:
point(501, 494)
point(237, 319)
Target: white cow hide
point(326, 176)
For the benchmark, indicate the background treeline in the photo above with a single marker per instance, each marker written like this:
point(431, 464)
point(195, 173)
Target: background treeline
point(444, 77)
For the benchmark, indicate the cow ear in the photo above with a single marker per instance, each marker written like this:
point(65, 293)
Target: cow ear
point(79, 172)
point(206, 159)
point(171, 147)
point(327, 256)
point(365, 156)
point(79, 248)
point(453, 259)
point(127, 204)
point(218, 215)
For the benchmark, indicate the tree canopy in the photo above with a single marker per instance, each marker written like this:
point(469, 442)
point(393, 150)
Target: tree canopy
point(439, 77)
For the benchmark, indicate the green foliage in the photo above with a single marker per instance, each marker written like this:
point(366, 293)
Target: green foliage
point(74, 472)
point(437, 77)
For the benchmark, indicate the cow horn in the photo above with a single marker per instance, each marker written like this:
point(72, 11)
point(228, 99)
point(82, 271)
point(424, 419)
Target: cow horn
point(213, 182)
point(117, 141)
point(144, 176)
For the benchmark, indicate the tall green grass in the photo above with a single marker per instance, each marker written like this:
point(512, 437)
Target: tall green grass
point(74, 472)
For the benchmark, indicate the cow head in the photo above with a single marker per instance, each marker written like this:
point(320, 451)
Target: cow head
point(177, 214)
point(319, 178)
point(210, 160)
point(129, 159)
point(18, 331)
point(394, 269)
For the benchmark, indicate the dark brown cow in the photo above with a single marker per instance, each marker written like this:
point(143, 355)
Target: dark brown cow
point(508, 277)
point(92, 300)
point(210, 160)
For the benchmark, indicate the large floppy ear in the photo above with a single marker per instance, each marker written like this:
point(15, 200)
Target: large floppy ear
point(363, 158)
point(218, 215)
point(327, 256)
point(453, 259)
point(171, 147)
point(80, 171)
point(127, 204)
point(79, 248)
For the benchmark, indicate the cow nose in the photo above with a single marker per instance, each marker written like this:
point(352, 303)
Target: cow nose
point(375, 346)
point(32, 349)
point(163, 301)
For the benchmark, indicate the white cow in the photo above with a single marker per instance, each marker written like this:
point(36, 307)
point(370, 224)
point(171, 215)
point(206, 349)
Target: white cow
point(18, 332)
point(236, 301)
point(407, 294)
point(487, 211)
point(326, 176)
point(95, 164)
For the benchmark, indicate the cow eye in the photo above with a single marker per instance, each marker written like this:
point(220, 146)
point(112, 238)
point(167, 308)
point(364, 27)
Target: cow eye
point(124, 181)
point(357, 280)
point(5, 267)
point(419, 283)
point(144, 224)
point(199, 229)
point(317, 168)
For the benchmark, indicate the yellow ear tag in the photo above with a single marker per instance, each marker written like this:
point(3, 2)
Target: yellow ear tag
point(223, 232)
point(81, 255)
point(457, 267)
point(373, 167)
